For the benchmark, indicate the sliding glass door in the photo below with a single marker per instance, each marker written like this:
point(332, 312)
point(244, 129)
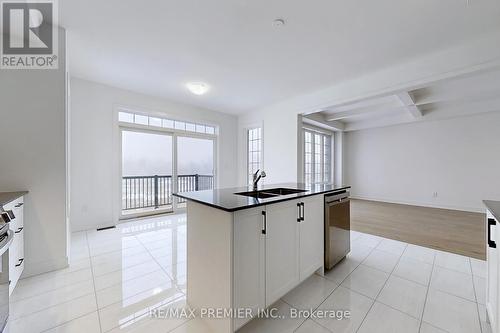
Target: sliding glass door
point(154, 164)
point(195, 165)
point(147, 165)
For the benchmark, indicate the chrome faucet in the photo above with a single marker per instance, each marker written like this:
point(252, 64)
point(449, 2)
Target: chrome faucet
point(257, 177)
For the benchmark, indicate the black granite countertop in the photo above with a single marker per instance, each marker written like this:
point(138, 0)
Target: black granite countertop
point(6, 197)
point(493, 207)
point(226, 199)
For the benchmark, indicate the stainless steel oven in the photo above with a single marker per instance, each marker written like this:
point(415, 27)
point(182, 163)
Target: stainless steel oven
point(337, 227)
point(6, 237)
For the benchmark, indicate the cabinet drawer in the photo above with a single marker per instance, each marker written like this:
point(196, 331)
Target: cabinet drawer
point(16, 259)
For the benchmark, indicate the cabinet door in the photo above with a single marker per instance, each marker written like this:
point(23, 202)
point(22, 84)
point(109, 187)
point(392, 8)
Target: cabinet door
point(16, 249)
point(248, 262)
point(282, 249)
point(311, 233)
point(492, 273)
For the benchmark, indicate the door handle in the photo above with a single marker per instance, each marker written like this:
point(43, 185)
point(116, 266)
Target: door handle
point(19, 230)
point(19, 205)
point(264, 223)
point(491, 243)
point(20, 262)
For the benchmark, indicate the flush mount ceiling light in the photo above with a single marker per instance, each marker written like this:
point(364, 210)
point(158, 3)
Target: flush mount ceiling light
point(197, 88)
point(279, 22)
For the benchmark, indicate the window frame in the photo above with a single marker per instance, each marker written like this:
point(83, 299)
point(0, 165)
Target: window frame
point(326, 158)
point(248, 151)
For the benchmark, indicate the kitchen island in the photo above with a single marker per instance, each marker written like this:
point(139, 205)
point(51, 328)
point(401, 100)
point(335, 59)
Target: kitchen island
point(246, 249)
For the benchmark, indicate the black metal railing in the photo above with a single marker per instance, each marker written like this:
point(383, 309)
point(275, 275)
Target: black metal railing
point(156, 191)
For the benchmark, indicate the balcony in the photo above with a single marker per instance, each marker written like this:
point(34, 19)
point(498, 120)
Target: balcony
point(149, 193)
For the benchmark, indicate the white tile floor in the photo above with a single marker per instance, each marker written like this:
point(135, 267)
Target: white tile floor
point(117, 276)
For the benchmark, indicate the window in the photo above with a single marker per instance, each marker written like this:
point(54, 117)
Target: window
point(132, 118)
point(254, 149)
point(317, 157)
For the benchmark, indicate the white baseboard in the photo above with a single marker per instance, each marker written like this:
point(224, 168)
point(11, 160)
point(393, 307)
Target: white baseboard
point(36, 268)
point(421, 204)
point(93, 226)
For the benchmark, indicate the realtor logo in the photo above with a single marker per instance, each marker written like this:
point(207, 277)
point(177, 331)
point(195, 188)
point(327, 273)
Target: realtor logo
point(29, 35)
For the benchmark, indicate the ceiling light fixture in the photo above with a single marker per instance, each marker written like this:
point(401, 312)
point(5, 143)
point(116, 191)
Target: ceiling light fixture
point(197, 88)
point(278, 22)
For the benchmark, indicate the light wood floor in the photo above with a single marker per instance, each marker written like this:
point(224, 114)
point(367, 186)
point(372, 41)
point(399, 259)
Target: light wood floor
point(442, 229)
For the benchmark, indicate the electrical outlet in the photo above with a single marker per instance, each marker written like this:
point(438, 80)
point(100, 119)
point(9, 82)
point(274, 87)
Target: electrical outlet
point(434, 195)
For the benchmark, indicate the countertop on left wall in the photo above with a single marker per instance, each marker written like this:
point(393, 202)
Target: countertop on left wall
point(493, 207)
point(6, 197)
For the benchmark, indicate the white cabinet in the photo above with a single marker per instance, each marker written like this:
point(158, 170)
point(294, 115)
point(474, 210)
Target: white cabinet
point(249, 262)
point(16, 249)
point(275, 247)
point(492, 247)
point(282, 249)
point(311, 240)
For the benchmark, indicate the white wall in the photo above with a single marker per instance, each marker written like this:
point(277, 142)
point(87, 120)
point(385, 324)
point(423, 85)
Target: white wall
point(457, 158)
point(280, 120)
point(280, 144)
point(94, 151)
point(33, 158)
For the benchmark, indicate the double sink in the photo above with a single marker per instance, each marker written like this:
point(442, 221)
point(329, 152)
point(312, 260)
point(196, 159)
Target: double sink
point(270, 193)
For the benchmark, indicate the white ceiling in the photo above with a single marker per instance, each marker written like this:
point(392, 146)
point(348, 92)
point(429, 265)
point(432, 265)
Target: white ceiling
point(156, 46)
point(463, 96)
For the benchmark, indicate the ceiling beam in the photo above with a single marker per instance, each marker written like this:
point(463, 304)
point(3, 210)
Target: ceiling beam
point(347, 114)
point(319, 120)
point(409, 103)
point(415, 111)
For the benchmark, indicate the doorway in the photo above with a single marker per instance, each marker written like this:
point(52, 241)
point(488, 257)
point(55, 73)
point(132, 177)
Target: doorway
point(147, 164)
point(157, 163)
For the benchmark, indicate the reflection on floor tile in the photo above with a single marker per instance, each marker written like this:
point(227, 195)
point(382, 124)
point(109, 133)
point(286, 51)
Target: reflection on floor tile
point(451, 313)
point(345, 300)
point(428, 328)
point(392, 246)
point(403, 295)
point(310, 326)
point(453, 261)
point(413, 270)
point(383, 319)
point(478, 267)
point(310, 293)
point(119, 277)
point(420, 253)
point(366, 280)
point(285, 324)
point(86, 324)
point(453, 282)
point(342, 270)
point(381, 260)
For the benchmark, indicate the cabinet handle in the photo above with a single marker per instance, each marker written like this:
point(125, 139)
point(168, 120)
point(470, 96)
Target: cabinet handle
point(19, 205)
point(302, 215)
point(299, 212)
point(491, 243)
point(20, 262)
point(264, 223)
point(19, 230)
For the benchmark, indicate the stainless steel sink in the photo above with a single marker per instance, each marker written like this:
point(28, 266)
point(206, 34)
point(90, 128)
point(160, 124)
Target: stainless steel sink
point(270, 193)
point(258, 194)
point(283, 191)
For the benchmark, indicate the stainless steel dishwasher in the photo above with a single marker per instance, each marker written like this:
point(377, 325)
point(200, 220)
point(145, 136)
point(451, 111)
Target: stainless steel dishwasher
point(337, 227)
